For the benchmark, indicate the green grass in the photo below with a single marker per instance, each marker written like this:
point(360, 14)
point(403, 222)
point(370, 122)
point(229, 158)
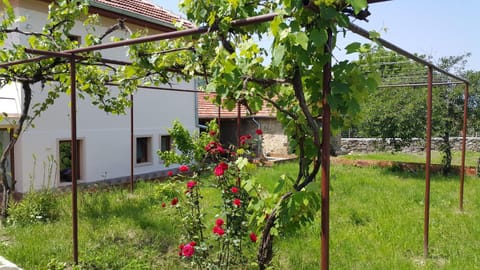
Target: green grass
point(376, 223)
point(471, 158)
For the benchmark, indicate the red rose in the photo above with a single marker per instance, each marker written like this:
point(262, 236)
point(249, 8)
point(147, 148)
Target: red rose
point(237, 202)
point(183, 168)
point(219, 222)
point(175, 201)
point(193, 243)
point(259, 132)
point(218, 171)
point(223, 165)
point(212, 133)
point(181, 246)
point(249, 137)
point(191, 184)
point(163, 205)
point(210, 146)
point(253, 237)
point(188, 250)
point(170, 173)
point(220, 149)
point(218, 230)
point(234, 189)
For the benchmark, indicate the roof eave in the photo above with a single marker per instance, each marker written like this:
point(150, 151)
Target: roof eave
point(134, 15)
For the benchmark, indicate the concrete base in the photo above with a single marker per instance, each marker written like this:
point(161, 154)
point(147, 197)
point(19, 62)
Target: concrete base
point(6, 265)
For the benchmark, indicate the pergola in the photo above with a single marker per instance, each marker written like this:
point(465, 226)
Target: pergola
point(72, 56)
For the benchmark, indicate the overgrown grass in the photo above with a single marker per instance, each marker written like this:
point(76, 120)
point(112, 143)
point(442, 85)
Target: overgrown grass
point(376, 223)
point(471, 158)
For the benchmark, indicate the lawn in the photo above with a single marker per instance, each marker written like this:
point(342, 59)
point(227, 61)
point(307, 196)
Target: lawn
point(471, 158)
point(376, 223)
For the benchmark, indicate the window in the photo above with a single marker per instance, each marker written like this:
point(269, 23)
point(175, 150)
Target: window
point(75, 38)
point(144, 145)
point(65, 160)
point(165, 143)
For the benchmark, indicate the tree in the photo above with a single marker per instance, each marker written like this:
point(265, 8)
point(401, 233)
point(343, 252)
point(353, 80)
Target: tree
point(448, 107)
point(381, 117)
point(399, 113)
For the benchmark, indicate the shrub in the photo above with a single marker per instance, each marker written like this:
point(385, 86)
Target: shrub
point(35, 207)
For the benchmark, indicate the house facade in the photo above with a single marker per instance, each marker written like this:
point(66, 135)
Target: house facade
point(41, 156)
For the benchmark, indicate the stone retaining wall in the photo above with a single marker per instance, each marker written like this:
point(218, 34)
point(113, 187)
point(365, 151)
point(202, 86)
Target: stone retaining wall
point(365, 145)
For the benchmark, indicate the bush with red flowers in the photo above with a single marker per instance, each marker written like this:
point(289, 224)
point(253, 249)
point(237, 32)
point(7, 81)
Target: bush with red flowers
point(230, 233)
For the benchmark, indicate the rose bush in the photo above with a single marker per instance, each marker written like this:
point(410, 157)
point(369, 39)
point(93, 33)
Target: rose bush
point(230, 240)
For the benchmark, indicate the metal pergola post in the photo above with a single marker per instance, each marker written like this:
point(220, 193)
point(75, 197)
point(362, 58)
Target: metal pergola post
point(325, 174)
point(464, 135)
point(428, 163)
point(132, 142)
point(74, 149)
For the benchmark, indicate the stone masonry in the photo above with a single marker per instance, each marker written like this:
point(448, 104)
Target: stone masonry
point(365, 145)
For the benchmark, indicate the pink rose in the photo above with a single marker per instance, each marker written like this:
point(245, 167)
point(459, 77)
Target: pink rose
point(218, 171)
point(234, 189)
point(170, 173)
point(183, 168)
point(219, 222)
point(188, 250)
point(223, 165)
point(218, 230)
point(237, 202)
point(191, 184)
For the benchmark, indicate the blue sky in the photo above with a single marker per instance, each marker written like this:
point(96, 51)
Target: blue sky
point(432, 27)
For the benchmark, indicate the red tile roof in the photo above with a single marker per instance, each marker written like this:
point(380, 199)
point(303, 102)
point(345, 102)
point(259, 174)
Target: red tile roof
point(146, 8)
point(208, 110)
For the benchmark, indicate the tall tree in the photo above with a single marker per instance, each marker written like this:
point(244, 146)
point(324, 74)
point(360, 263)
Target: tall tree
point(398, 114)
point(395, 114)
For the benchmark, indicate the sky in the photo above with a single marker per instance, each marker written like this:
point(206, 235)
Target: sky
point(432, 27)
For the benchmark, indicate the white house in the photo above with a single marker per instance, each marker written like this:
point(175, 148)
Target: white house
point(103, 139)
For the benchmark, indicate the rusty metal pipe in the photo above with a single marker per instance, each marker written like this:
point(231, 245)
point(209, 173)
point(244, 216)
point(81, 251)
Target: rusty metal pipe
point(325, 211)
point(74, 149)
point(418, 84)
point(364, 33)
point(427, 164)
point(464, 139)
point(132, 141)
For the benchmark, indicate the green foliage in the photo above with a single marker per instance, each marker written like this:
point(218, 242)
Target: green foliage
point(187, 148)
point(35, 207)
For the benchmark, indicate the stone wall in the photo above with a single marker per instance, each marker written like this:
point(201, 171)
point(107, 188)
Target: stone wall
point(364, 145)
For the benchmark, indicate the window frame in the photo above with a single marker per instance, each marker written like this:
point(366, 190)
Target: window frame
point(147, 148)
point(79, 163)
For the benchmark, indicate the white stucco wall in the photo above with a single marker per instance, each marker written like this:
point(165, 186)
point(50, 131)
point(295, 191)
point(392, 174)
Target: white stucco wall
point(105, 147)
